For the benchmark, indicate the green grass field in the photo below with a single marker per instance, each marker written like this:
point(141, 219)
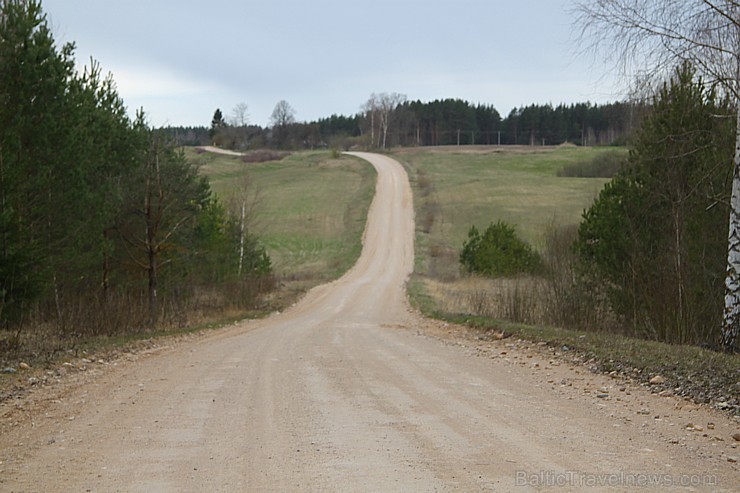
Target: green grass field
point(465, 186)
point(310, 208)
point(516, 184)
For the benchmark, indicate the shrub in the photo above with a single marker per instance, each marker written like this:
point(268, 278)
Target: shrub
point(263, 156)
point(602, 166)
point(498, 252)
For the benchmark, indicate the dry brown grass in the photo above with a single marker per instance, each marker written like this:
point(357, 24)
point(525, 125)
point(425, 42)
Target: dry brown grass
point(522, 299)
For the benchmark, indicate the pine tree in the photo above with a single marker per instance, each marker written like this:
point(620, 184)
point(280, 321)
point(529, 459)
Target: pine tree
point(217, 124)
point(33, 81)
point(650, 238)
point(164, 197)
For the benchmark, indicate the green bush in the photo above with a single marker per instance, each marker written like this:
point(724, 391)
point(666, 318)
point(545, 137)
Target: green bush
point(499, 252)
point(602, 166)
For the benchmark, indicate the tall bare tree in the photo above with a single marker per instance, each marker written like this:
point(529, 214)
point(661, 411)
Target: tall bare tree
point(371, 108)
point(283, 114)
point(240, 115)
point(282, 117)
point(388, 104)
point(650, 37)
point(379, 109)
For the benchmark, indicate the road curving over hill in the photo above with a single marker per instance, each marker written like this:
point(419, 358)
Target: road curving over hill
point(350, 391)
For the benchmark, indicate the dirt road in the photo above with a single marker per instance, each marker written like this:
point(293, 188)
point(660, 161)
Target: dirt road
point(350, 392)
point(218, 150)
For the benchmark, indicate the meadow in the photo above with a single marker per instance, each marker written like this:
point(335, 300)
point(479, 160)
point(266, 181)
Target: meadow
point(308, 208)
point(460, 187)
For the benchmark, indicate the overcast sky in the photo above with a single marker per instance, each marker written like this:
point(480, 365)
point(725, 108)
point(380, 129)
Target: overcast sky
point(180, 60)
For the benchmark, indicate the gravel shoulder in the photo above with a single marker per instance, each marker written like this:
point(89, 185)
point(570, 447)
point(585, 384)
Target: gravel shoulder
point(350, 390)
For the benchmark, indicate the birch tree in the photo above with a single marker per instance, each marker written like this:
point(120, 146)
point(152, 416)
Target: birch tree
point(387, 104)
point(370, 108)
point(379, 108)
point(648, 38)
point(242, 206)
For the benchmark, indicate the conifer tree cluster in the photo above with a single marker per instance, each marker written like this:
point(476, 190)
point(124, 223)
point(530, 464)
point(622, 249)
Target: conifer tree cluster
point(104, 225)
point(652, 242)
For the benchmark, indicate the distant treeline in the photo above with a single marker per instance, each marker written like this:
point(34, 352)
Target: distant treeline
point(440, 122)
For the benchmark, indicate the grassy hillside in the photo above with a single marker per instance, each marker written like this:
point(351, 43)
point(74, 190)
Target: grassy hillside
point(457, 187)
point(309, 208)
